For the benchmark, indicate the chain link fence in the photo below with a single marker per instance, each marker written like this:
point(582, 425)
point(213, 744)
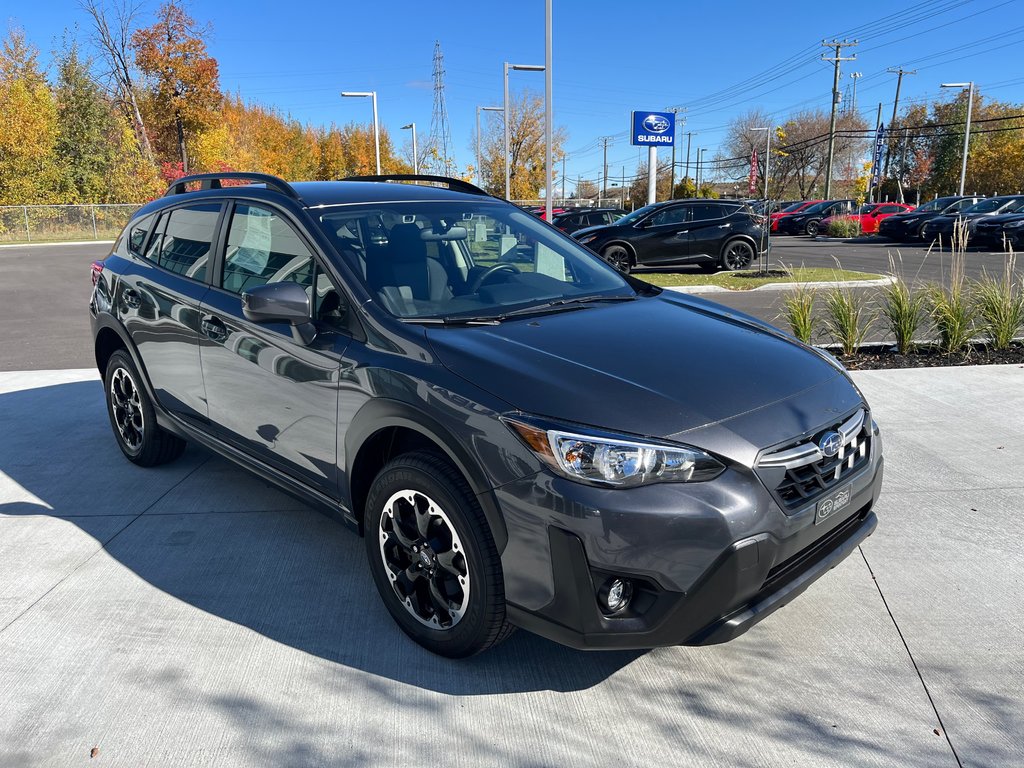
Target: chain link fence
point(48, 223)
point(569, 202)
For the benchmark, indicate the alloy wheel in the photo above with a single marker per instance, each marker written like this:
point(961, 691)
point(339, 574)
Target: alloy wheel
point(738, 255)
point(424, 559)
point(618, 257)
point(127, 407)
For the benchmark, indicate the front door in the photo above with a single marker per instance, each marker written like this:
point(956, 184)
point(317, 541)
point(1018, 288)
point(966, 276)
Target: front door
point(665, 238)
point(269, 393)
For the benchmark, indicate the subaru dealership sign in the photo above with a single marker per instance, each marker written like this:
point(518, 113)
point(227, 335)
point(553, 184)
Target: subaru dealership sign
point(654, 129)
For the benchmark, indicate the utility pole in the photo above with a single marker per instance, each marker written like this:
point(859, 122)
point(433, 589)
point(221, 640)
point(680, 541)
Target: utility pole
point(604, 177)
point(871, 187)
point(855, 76)
point(672, 178)
point(838, 45)
point(563, 178)
point(900, 72)
point(689, 135)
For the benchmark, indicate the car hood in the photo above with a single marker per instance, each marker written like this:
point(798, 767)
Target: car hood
point(587, 230)
point(1004, 218)
point(657, 366)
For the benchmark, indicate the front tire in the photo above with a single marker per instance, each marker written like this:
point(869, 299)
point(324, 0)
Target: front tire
point(432, 557)
point(140, 438)
point(737, 254)
point(619, 257)
point(812, 228)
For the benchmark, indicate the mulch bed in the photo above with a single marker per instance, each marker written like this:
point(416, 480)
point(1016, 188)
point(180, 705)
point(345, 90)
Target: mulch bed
point(877, 358)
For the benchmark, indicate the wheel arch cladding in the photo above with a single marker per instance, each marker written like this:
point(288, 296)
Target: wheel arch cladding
point(384, 429)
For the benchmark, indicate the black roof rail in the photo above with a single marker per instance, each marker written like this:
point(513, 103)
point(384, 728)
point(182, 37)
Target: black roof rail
point(212, 181)
point(457, 185)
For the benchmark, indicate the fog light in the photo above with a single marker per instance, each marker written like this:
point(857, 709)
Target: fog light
point(616, 594)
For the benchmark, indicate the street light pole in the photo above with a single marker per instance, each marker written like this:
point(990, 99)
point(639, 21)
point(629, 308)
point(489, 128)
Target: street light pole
point(415, 157)
point(519, 68)
point(767, 211)
point(967, 129)
point(479, 175)
point(376, 127)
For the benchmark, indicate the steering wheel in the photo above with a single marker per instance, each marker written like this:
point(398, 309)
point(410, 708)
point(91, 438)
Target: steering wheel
point(484, 276)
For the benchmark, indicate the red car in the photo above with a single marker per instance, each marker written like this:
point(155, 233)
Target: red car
point(790, 210)
point(870, 214)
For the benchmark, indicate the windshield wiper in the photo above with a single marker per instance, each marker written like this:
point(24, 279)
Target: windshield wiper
point(557, 305)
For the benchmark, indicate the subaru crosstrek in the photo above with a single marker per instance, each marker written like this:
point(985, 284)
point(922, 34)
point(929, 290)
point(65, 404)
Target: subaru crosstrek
point(547, 444)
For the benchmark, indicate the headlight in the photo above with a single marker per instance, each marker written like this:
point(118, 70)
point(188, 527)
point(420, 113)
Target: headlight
point(1014, 224)
point(588, 239)
point(613, 460)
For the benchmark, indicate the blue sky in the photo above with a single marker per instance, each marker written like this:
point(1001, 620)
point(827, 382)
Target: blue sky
point(717, 59)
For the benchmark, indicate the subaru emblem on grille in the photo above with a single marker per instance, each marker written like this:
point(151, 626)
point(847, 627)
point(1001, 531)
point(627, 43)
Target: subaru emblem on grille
point(830, 444)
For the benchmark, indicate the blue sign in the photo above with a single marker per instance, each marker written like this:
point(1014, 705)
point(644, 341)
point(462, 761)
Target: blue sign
point(876, 158)
point(656, 129)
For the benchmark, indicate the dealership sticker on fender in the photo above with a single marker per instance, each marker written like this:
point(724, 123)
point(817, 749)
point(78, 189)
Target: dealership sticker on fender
point(829, 506)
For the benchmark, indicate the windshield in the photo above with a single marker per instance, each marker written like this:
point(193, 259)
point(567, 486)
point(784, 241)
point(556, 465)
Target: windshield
point(868, 208)
point(636, 215)
point(939, 204)
point(454, 259)
point(793, 207)
point(959, 205)
point(817, 207)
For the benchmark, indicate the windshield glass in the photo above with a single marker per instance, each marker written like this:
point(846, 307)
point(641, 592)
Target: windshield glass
point(939, 204)
point(791, 208)
point(959, 205)
point(817, 207)
point(636, 215)
point(452, 259)
point(868, 208)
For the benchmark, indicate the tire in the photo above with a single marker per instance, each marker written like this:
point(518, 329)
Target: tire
point(432, 557)
point(132, 417)
point(737, 254)
point(619, 257)
point(812, 227)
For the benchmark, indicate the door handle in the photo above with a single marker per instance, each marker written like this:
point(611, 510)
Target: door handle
point(682, 232)
point(214, 328)
point(131, 298)
point(724, 226)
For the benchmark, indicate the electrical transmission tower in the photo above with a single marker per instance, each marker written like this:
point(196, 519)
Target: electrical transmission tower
point(439, 159)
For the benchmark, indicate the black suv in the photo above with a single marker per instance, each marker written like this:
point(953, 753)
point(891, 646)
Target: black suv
point(514, 448)
point(808, 221)
point(712, 234)
point(910, 225)
point(571, 221)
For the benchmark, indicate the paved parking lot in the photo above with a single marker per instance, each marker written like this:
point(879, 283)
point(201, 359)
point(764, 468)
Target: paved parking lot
point(191, 615)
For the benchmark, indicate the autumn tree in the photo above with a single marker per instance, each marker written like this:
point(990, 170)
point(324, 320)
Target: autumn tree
point(29, 171)
point(526, 149)
point(182, 78)
point(663, 183)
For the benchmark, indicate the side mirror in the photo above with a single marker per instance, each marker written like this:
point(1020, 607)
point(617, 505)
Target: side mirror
point(285, 302)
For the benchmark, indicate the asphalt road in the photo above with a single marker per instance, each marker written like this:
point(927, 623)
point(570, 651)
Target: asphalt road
point(44, 291)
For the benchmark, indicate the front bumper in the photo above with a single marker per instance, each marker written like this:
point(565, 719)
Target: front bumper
point(703, 571)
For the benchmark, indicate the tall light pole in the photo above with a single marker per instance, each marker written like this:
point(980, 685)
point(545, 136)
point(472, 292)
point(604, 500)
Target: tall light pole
point(415, 157)
point(855, 76)
point(549, 170)
point(518, 68)
point(967, 130)
point(479, 109)
point(767, 208)
point(376, 128)
point(701, 168)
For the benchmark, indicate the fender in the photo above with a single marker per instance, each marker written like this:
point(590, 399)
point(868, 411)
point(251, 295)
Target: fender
point(381, 413)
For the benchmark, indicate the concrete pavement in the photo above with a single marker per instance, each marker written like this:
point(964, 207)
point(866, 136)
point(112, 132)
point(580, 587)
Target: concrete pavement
point(192, 615)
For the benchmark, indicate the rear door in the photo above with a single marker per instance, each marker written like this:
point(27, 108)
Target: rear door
point(665, 236)
point(158, 302)
point(709, 228)
point(270, 394)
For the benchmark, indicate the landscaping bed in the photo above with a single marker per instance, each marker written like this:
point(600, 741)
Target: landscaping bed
point(745, 281)
point(881, 357)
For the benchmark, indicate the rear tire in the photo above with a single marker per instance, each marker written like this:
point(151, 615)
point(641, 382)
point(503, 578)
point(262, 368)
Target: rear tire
point(619, 257)
point(132, 417)
point(737, 254)
point(432, 557)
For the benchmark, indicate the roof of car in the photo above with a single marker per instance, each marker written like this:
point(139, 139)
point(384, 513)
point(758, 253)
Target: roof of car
point(323, 193)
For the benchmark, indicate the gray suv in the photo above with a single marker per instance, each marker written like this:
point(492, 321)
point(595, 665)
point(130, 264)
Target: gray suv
point(547, 444)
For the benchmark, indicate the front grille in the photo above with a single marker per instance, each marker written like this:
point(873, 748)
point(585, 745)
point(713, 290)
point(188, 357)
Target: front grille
point(790, 567)
point(802, 472)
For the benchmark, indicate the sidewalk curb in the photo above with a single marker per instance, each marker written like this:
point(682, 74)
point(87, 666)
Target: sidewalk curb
point(887, 280)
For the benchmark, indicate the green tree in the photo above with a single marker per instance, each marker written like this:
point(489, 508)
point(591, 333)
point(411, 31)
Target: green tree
point(526, 148)
point(87, 128)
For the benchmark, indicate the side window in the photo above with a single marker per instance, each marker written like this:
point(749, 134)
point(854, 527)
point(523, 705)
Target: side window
point(188, 239)
point(135, 236)
point(263, 248)
point(889, 209)
point(705, 211)
point(677, 215)
point(329, 306)
point(153, 251)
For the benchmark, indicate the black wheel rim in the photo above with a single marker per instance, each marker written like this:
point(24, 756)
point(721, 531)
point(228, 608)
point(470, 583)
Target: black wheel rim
point(738, 255)
point(812, 228)
point(424, 559)
point(618, 258)
point(126, 405)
